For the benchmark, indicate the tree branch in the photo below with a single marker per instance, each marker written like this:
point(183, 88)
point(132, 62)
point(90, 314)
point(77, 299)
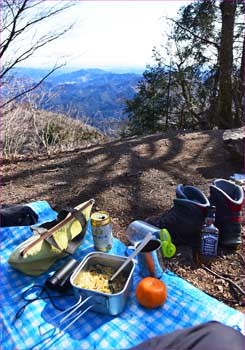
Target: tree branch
point(195, 35)
point(42, 41)
point(33, 87)
point(12, 32)
point(225, 278)
point(18, 32)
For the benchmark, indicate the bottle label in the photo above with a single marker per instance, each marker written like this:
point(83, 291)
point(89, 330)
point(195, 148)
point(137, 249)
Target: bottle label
point(209, 244)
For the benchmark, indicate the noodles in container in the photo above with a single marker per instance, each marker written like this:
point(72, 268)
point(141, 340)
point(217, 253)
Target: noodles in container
point(91, 279)
point(97, 278)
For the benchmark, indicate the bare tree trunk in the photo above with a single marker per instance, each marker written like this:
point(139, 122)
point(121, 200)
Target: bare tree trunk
point(242, 70)
point(224, 117)
point(212, 111)
point(241, 86)
point(168, 94)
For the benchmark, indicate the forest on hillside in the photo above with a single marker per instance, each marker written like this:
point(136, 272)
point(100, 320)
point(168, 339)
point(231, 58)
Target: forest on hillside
point(201, 84)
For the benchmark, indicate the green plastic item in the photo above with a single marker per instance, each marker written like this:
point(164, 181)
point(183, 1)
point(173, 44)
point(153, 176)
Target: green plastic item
point(168, 248)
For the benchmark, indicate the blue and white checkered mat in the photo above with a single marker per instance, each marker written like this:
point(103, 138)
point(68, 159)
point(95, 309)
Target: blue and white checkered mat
point(185, 306)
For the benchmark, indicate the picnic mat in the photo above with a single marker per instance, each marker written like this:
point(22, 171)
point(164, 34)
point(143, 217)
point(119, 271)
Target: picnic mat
point(185, 306)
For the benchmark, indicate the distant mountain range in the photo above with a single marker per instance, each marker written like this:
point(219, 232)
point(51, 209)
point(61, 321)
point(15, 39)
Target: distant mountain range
point(94, 95)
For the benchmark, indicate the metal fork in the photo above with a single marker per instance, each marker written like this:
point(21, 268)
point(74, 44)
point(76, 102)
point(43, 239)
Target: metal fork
point(68, 314)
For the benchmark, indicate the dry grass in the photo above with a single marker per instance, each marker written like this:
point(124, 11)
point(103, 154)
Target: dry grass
point(27, 130)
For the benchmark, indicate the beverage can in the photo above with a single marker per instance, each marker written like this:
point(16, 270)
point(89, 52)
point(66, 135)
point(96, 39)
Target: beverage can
point(102, 231)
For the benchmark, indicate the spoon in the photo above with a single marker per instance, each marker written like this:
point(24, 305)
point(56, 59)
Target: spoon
point(147, 238)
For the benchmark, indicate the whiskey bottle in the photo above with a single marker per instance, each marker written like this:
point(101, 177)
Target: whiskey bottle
point(208, 242)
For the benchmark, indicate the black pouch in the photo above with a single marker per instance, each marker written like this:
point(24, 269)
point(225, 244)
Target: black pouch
point(17, 215)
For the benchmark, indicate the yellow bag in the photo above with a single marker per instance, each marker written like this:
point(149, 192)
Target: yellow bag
point(39, 252)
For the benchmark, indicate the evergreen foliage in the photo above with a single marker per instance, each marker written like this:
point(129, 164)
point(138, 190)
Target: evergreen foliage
point(189, 89)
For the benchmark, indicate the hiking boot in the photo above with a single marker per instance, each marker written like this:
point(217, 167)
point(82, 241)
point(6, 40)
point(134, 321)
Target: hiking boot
point(185, 219)
point(228, 199)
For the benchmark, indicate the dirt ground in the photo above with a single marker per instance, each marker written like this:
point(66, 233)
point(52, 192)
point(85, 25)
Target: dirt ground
point(133, 179)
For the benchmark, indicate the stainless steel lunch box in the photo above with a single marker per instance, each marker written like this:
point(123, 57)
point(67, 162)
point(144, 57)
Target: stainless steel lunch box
point(111, 304)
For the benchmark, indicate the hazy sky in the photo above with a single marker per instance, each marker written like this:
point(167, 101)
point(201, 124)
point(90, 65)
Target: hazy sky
point(109, 33)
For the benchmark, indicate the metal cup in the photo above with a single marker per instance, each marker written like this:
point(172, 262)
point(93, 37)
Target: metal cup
point(138, 229)
point(148, 259)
